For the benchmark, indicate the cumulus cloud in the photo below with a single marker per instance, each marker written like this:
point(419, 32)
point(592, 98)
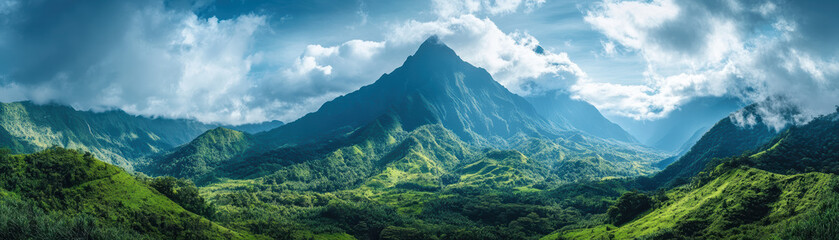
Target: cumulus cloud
point(511, 58)
point(754, 50)
point(153, 59)
point(142, 58)
point(454, 8)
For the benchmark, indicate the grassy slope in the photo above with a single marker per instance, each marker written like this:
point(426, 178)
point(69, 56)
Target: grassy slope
point(725, 139)
point(502, 169)
point(402, 178)
point(202, 155)
point(578, 157)
point(724, 207)
point(68, 182)
point(787, 189)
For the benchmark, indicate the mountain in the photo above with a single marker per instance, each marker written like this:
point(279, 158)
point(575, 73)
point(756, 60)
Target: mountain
point(811, 147)
point(436, 149)
point(113, 136)
point(725, 139)
point(785, 189)
point(201, 155)
point(63, 193)
point(565, 112)
point(254, 128)
point(672, 132)
point(432, 86)
point(738, 203)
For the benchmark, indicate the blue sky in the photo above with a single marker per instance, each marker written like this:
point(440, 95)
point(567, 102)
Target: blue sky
point(238, 61)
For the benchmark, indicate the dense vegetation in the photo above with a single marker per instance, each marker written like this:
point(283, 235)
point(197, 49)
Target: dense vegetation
point(69, 191)
point(741, 198)
point(198, 159)
point(725, 139)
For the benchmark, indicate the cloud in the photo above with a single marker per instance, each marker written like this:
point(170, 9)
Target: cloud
point(754, 50)
point(142, 58)
point(454, 8)
point(511, 58)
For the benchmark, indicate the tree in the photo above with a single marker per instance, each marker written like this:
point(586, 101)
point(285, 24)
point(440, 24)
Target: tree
point(184, 193)
point(629, 205)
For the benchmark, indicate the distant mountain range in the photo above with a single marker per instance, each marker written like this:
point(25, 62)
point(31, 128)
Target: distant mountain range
point(558, 107)
point(680, 127)
point(112, 136)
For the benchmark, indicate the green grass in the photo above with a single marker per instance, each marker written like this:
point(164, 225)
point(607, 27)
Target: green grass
point(66, 182)
point(202, 155)
point(740, 203)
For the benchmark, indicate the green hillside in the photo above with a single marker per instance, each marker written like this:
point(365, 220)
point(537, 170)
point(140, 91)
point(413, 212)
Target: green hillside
point(382, 182)
point(200, 156)
point(725, 139)
point(786, 189)
point(502, 169)
point(67, 189)
point(113, 136)
point(739, 203)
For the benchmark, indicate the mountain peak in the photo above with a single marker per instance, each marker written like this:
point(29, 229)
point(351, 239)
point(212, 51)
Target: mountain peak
point(433, 86)
point(434, 48)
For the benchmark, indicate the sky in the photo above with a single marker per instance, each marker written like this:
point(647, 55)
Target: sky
point(243, 61)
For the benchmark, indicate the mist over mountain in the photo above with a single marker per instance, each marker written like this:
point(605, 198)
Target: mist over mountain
point(727, 138)
point(674, 131)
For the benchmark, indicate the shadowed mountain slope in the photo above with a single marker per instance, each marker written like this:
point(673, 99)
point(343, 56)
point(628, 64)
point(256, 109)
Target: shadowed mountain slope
point(559, 108)
point(432, 86)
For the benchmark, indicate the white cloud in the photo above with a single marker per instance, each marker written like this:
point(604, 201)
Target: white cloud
point(693, 49)
point(454, 8)
point(609, 48)
point(157, 62)
point(7, 6)
point(509, 57)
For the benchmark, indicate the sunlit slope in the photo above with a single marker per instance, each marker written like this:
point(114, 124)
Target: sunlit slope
point(202, 155)
point(740, 203)
point(66, 182)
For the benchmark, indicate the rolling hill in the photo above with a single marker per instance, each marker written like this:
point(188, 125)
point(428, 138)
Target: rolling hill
point(62, 182)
